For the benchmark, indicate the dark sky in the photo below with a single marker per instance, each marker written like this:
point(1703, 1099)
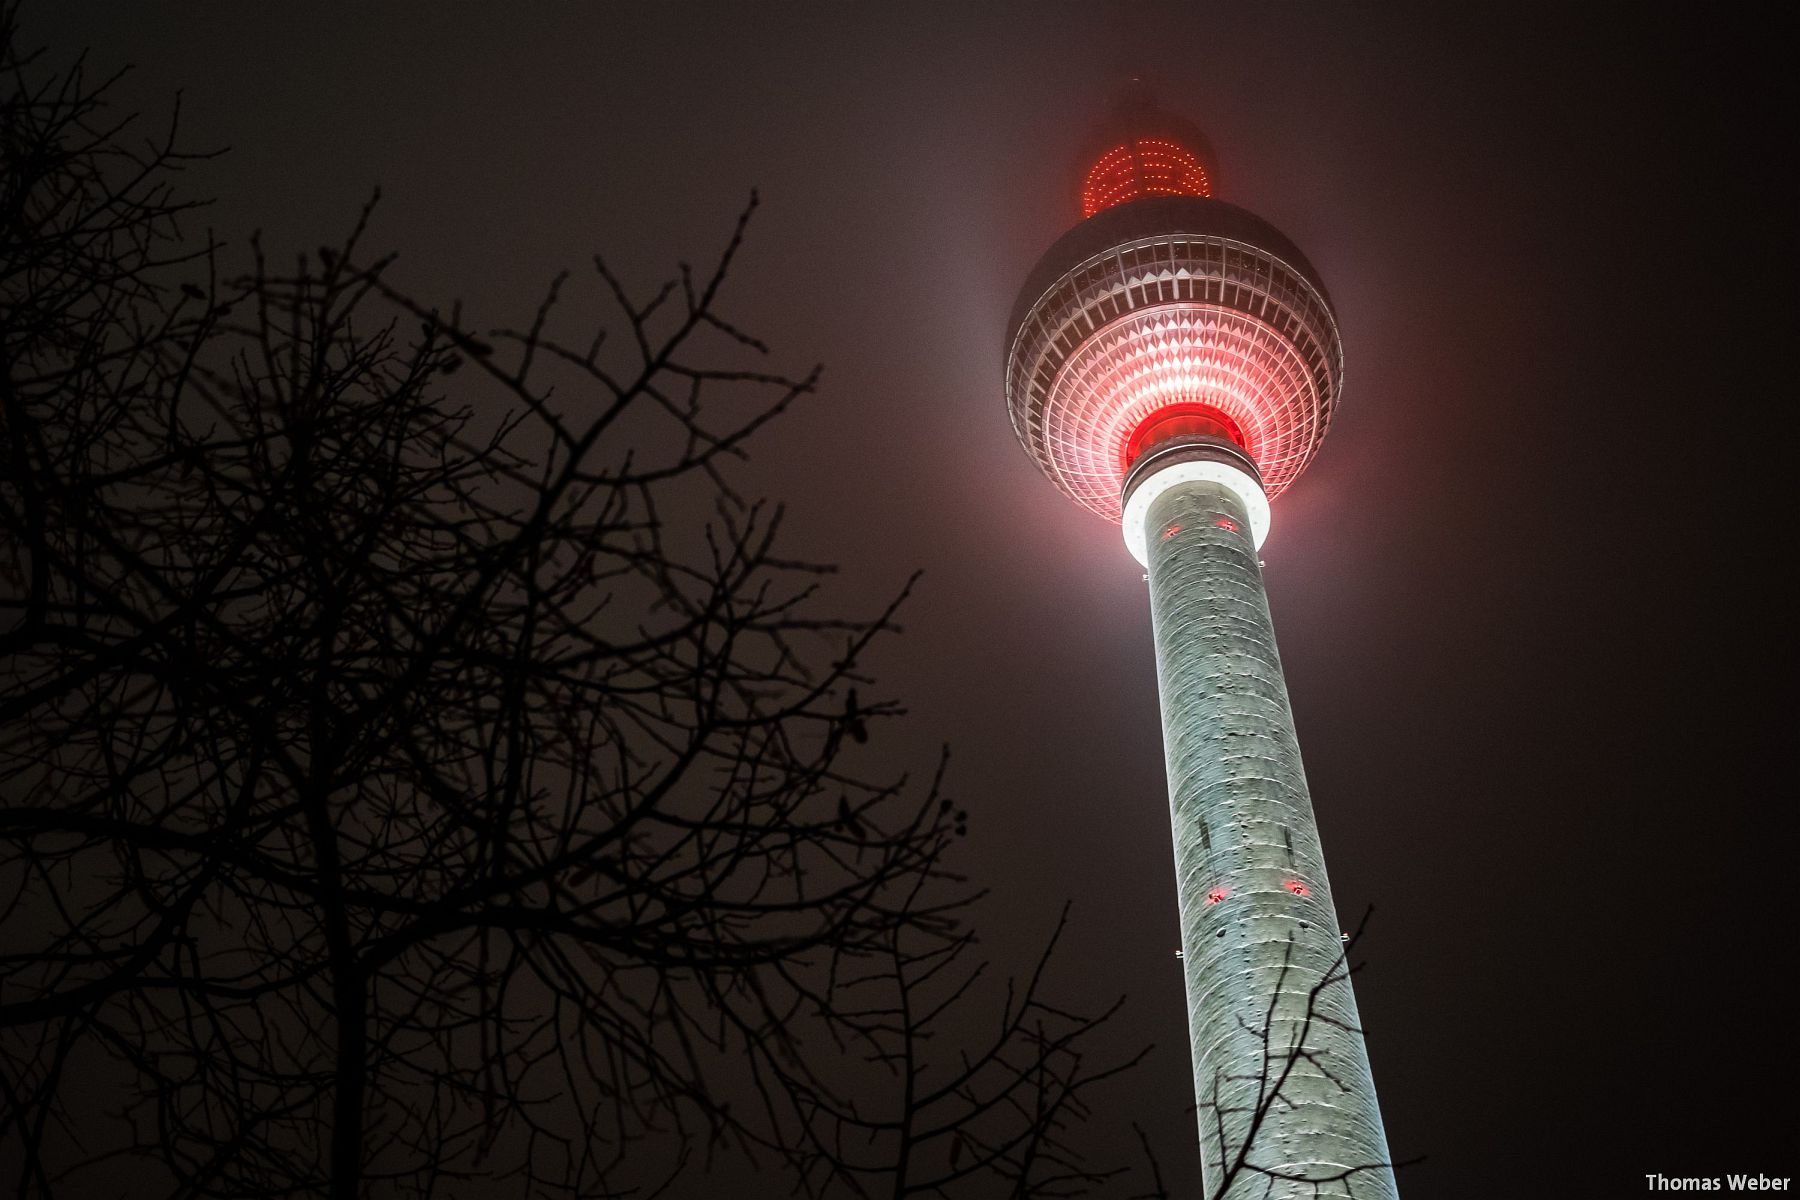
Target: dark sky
point(1526, 596)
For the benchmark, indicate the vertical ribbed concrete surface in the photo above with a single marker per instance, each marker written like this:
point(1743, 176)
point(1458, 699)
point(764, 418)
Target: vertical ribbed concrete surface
point(1250, 873)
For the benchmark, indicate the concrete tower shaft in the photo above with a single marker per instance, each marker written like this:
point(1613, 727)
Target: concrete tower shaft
point(1259, 932)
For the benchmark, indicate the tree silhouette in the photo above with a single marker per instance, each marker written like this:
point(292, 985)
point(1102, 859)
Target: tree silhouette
point(990, 1119)
point(1291, 1061)
point(421, 765)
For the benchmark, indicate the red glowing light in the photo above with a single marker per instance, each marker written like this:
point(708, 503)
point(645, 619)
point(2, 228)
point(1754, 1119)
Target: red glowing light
point(1183, 418)
point(1298, 888)
point(1143, 167)
point(1226, 523)
point(1216, 895)
point(1170, 532)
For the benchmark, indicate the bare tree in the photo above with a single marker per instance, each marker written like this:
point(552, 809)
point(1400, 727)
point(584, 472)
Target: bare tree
point(378, 767)
point(993, 1119)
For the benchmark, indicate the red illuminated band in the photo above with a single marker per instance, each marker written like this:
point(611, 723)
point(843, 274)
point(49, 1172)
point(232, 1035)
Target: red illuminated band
point(1182, 420)
point(1143, 167)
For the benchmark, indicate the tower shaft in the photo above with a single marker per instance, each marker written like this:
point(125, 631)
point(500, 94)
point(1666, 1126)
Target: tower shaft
point(1260, 936)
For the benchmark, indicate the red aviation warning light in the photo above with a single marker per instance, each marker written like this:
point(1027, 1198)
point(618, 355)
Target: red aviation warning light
point(1140, 150)
point(1149, 166)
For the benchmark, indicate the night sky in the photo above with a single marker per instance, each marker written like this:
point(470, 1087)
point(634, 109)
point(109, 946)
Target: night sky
point(1527, 596)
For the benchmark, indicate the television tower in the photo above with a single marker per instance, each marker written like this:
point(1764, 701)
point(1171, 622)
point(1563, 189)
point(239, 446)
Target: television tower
point(1172, 364)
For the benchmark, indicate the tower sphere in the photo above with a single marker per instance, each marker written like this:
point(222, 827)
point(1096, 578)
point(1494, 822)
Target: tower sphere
point(1165, 309)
